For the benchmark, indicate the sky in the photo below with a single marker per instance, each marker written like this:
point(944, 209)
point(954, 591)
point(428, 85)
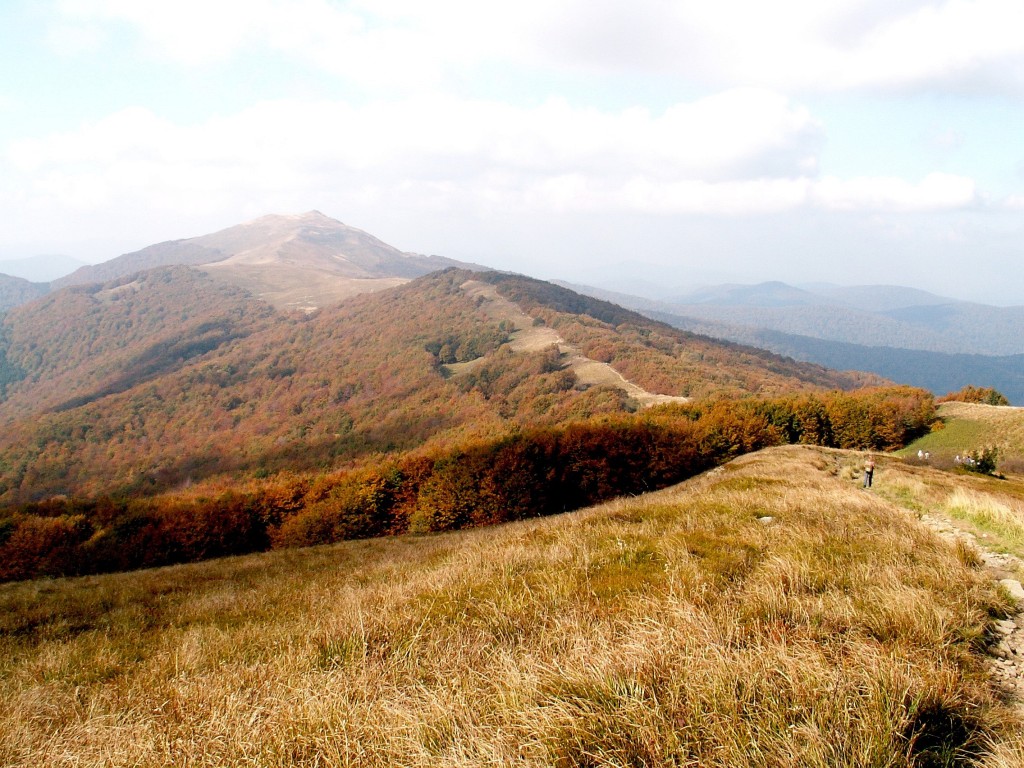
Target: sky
point(668, 144)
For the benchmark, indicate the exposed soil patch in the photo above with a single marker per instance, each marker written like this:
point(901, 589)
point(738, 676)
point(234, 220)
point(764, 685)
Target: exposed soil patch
point(295, 286)
point(531, 337)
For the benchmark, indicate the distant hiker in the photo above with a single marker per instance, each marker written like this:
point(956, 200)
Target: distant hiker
point(869, 471)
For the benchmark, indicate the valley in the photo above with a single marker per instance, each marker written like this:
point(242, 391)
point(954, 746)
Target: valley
point(899, 333)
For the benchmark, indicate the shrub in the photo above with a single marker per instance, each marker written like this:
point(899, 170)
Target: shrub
point(42, 546)
point(982, 395)
point(982, 460)
point(358, 508)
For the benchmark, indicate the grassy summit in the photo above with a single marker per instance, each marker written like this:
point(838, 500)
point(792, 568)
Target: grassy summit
point(676, 628)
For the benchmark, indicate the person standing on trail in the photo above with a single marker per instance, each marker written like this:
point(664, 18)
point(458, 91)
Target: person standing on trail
point(869, 471)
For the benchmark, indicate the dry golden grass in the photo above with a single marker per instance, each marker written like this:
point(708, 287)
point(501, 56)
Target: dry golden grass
point(671, 629)
point(998, 518)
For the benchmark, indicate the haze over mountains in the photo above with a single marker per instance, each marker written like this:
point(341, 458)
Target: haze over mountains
point(18, 290)
point(40, 269)
point(301, 261)
point(903, 334)
point(311, 261)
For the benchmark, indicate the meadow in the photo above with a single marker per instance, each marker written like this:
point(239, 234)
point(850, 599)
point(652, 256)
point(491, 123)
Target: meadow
point(769, 612)
point(971, 426)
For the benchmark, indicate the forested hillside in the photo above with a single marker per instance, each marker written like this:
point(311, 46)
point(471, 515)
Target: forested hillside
point(169, 377)
point(16, 290)
point(477, 481)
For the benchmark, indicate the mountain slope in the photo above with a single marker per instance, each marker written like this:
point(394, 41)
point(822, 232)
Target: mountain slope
point(770, 613)
point(15, 291)
point(170, 376)
point(84, 343)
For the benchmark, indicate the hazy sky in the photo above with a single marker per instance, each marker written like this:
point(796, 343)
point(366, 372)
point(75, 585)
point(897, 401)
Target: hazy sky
point(879, 141)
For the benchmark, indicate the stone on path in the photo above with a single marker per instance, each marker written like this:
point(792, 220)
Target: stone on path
point(1014, 588)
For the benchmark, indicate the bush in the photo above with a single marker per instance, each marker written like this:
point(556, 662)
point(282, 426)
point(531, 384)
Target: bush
point(982, 395)
point(982, 461)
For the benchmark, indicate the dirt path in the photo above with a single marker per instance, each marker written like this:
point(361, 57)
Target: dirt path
point(528, 337)
point(1006, 658)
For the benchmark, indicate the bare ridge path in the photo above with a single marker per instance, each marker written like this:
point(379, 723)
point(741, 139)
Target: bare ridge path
point(529, 337)
point(1006, 657)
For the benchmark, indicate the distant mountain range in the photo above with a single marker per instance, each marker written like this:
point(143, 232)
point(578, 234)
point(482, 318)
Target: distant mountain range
point(40, 269)
point(17, 290)
point(883, 315)
point(900, 333)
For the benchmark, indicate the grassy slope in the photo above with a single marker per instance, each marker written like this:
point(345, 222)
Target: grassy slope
point(670, 629)
point(971, 426)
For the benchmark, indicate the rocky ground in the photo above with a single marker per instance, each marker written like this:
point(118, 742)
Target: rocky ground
point(1007, 654)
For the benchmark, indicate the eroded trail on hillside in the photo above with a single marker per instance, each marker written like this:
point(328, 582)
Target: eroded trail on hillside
point(1006, 657)
point(527, 336)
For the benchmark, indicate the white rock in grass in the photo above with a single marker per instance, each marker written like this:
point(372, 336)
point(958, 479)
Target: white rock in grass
point(1014, 588)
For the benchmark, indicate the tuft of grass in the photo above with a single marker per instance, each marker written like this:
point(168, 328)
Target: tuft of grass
point(1001, 521)
point(674, 628)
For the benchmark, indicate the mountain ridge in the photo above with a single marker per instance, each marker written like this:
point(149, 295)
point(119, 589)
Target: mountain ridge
point(877, 315)
point(15, 291)
point(170, 375)
point(293, 261)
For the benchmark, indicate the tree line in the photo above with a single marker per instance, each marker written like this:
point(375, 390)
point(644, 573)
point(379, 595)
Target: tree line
point(528, 473)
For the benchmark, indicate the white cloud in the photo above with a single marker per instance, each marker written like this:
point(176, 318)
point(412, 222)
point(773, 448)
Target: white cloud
point(937, 191)
point(329, 36)
point(787, 44)
point(744, 151)
point(805, 44)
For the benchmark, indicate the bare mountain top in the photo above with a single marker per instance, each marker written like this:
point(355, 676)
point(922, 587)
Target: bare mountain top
point(292, 261)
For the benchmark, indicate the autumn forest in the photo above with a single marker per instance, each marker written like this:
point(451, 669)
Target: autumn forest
point(167, 417)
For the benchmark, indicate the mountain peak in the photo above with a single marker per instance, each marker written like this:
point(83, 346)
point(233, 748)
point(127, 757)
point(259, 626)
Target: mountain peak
point(298, 261)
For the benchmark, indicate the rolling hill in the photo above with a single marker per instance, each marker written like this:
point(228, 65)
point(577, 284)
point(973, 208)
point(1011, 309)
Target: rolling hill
point(16, 290)
point(170, 376)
